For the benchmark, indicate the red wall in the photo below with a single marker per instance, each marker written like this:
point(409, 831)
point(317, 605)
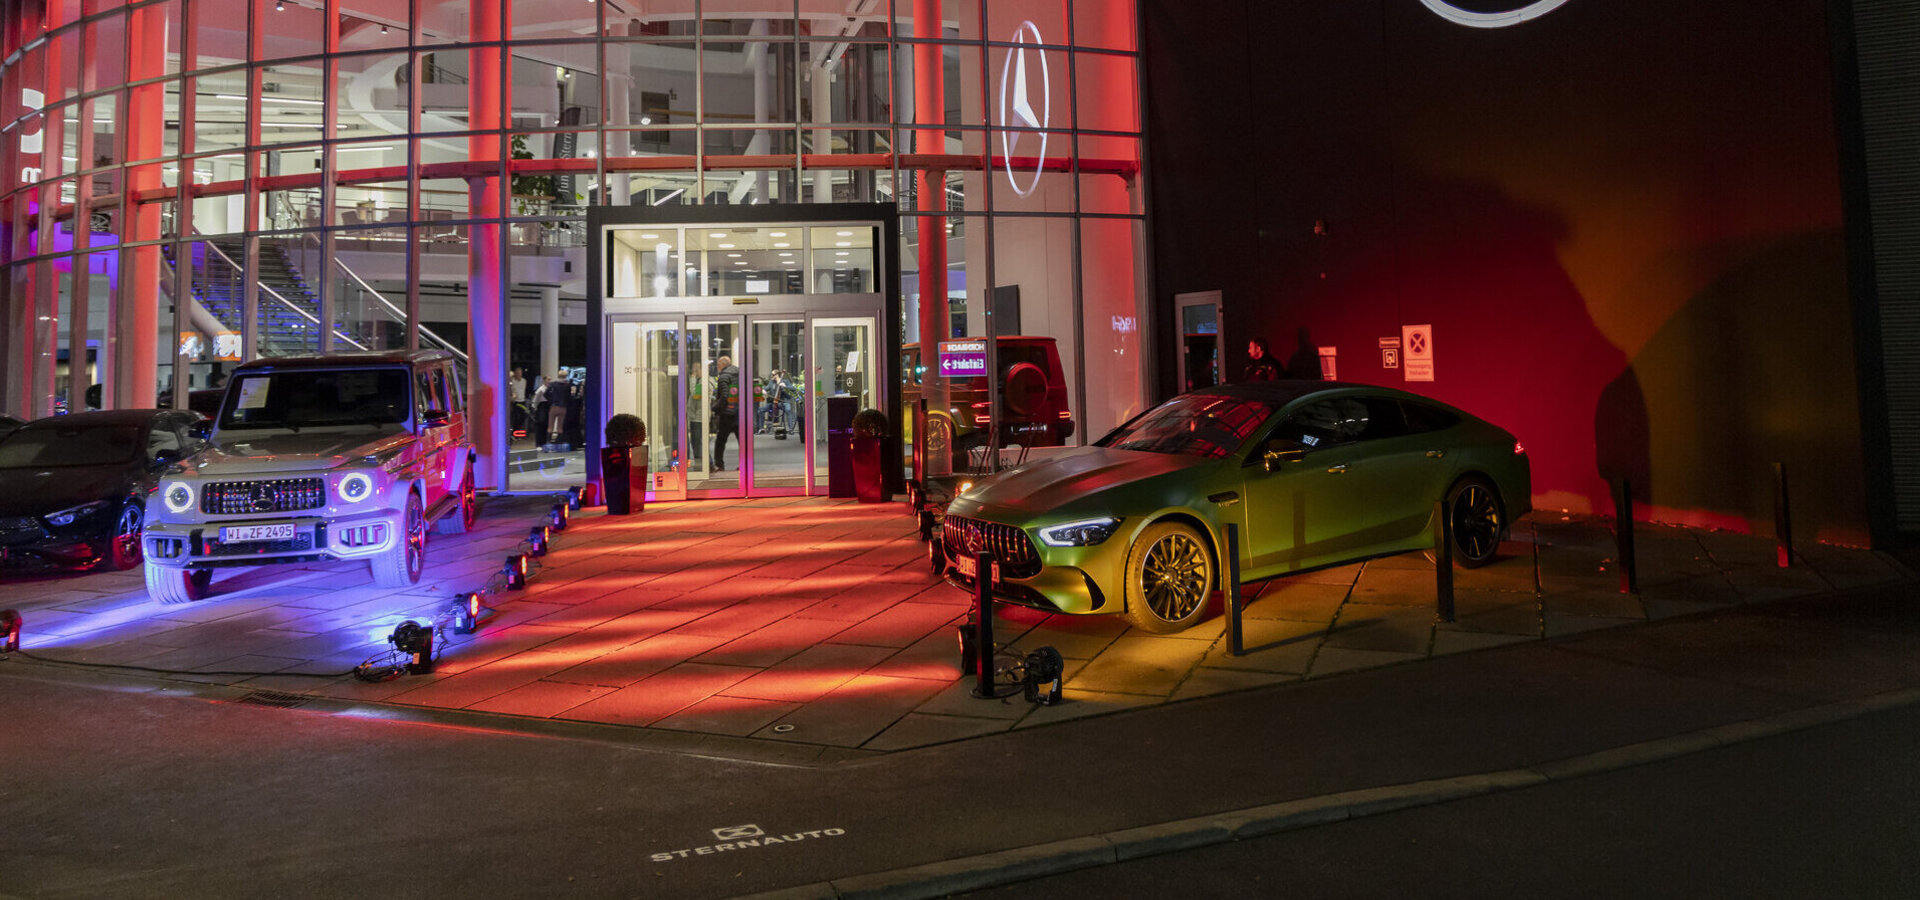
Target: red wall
point(1622, 221)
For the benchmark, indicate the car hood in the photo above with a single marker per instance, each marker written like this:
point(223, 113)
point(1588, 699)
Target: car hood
point(285, 451)
point(1058, 481)
point(35, 492)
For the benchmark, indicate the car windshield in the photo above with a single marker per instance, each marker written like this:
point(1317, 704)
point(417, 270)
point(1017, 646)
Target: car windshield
point(73, 445)
point(1205, 425)
point(318, 397)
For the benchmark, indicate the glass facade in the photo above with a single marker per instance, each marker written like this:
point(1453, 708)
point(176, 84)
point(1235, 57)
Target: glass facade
point(199, 182)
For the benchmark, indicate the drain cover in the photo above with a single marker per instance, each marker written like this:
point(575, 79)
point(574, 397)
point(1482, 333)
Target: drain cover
point(279, 699)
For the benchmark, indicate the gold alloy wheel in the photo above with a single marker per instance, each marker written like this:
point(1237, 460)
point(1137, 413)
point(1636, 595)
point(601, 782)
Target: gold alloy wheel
point(1170, 576)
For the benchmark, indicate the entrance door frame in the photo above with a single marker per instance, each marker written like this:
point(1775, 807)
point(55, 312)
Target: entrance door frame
point(1182, 303)
point(601, 310)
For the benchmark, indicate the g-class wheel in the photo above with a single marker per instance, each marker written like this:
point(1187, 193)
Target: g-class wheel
point(169, 584)
point(460, 521)
point(400, 565)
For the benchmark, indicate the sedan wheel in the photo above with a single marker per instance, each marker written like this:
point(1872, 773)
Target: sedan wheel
point(1169, 578)
point(124, 553)
point(1474, 511)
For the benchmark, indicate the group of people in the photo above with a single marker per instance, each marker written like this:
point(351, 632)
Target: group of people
point(548, 410)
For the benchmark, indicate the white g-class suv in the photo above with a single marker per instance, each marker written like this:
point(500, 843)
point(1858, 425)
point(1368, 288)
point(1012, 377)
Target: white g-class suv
point(348, 456)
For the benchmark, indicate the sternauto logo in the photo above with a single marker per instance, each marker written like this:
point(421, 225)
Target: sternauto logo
point(1013, 80)
point(1471, 19)
point(745, 837)
point(31, 141)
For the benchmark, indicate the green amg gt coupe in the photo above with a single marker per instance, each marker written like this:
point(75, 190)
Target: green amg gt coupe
point(1313, 473)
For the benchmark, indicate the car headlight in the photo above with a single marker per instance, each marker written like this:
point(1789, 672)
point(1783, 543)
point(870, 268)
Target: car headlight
point(178, 496)
point(1084, 533)
point(66, 516)
point(356, 487)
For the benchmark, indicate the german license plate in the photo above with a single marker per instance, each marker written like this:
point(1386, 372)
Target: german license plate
point(970, 568)
point(243, 533)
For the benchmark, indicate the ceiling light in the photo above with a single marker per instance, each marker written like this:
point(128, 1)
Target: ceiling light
point(782, 244)
point(844, 233)
point(279, 5)
point(383, 28)
point(843, 243)
point(733, 254)
point(716, 234)
point(646, 120)
point(777, 234)
point(726, 246)
point(786, 254)
point(649, 237)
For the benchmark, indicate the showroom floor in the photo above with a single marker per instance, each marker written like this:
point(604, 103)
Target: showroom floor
point(807, 628)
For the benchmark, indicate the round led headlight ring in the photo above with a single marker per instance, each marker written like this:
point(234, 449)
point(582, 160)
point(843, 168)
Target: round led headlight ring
point(356, 487)
point(179, 498)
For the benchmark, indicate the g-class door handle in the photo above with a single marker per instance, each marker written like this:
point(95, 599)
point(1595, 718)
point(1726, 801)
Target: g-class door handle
point(1337, 470)
point(1436, 454)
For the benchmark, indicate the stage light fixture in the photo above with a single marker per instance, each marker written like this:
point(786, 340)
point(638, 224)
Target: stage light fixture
point(516, 571)
point(10, 630)
point(416, 641)
point(466, 613)
point(1042, 684)
point(557, 517)
point(573, 497)
point(537, 540)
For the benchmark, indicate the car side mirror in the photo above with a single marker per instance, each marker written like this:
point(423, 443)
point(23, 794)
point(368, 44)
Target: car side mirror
point(166, 456)
point(1277, 458)
point(201, 430)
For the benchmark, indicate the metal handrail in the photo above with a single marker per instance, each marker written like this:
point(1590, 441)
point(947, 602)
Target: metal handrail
point(398, 314)
point(276, 295)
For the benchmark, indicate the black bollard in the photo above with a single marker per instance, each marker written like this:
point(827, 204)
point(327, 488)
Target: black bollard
point(983, 624)
point(1236, 645)
point(1442, 562)
point(1782, 516)
point(1623, 536)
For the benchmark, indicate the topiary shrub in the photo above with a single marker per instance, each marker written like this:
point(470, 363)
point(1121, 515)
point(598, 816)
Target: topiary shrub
point(869, 423)
point(626, 430)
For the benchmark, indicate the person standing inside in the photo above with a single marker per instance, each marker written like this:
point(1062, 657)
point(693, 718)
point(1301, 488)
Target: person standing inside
point(1260, 366)
point(558, 395)
point(725, 408)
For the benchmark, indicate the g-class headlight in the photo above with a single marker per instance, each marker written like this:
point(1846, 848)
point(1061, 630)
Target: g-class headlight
point(356, 487)
point(178, 497)
point(66, 516)
point(1084, 533)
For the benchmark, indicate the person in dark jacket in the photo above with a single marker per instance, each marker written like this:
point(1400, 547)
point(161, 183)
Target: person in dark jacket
point(1260, 366)
point(725, 408)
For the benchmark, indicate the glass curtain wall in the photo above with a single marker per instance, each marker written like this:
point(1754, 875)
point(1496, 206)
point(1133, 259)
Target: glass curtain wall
point(263, 177)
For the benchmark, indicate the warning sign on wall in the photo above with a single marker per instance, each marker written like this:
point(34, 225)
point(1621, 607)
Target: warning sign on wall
point(1329, 364)
point(1417, 350)
point(1389, 353)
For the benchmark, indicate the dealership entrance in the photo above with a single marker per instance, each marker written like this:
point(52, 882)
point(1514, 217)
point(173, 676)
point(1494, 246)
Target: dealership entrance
point(779, 311)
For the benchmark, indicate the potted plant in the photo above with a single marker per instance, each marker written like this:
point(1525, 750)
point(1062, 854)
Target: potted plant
point(623, 464)
point(869, 475)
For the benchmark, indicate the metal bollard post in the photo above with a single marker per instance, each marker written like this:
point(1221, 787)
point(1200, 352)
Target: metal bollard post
point(1236, 644)
point(1623, 536)
point(1442, 562)
point(1782, 516)
point(926, 524)
point(983, 624)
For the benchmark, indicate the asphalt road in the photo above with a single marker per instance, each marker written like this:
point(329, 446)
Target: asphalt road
point(113, 790)
point(1832, 811)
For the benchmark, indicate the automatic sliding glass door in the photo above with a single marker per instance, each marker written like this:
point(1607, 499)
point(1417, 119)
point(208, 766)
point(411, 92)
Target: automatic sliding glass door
point(776, 357)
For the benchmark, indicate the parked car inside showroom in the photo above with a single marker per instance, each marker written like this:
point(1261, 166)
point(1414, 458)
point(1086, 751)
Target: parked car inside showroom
point(1033, 397)
point(348, 456)
point(73, 489)
point(1313, 473)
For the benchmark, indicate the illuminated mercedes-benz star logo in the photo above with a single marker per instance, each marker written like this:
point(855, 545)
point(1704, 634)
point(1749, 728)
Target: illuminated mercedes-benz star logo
point(1455, 14)
point(1013, 78)
point(265, 498)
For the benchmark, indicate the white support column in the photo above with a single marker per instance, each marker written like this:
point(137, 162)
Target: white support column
point(549, 331)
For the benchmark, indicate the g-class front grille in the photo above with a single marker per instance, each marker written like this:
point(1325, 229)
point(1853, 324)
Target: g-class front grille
point(1009, 545)
point(239, 498)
